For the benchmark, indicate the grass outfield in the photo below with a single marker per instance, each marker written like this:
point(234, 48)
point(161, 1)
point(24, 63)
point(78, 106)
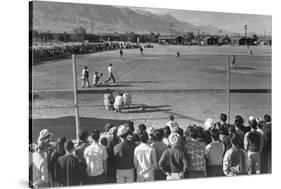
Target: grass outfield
point(199, 68)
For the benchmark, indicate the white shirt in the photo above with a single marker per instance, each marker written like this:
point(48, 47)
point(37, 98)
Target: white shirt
point(118, 100)
point(145, 160)
point(172, 125)
point(109, 68)
point(94, 155)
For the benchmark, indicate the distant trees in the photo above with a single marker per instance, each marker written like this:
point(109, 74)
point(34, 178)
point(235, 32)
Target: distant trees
point(189, 36)
point(78, 34)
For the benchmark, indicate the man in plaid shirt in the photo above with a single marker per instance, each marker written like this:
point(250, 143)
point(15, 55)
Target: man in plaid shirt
point(196, 156)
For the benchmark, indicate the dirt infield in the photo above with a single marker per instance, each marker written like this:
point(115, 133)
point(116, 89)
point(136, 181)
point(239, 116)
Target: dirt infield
point(200, 69)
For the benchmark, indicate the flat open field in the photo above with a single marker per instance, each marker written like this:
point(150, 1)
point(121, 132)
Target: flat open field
point(190, 88)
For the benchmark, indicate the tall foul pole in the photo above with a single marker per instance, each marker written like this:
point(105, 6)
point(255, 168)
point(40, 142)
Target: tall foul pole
point(76, 103)
point(228, 89)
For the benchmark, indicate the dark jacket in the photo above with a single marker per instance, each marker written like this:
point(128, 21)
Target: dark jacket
point(124, 155)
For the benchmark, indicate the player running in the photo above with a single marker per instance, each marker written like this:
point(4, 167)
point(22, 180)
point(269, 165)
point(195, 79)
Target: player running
point(96, 79)
point(111, 76)
point(121, 53)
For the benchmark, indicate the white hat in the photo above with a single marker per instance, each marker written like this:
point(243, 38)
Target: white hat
point(251, 118)
point(44, 134)
point(122, 129)
point(208, 123)
point(174, 139)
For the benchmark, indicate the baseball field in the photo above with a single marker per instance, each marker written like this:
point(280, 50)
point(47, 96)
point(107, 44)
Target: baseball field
point(191, 88)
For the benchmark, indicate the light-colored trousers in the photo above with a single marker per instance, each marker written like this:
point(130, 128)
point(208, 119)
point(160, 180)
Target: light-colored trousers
point(125, 175)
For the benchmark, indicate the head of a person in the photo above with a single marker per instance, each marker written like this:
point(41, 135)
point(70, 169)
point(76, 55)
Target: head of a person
point(236, 123)
point(143, 137)
point(261, 124)
point(110, 64)
point(171, 117)
point(267, 118)
point(95, 135)
point(151, 133)
point(85, 67)
point(69, 146)
point(193, 133)
point(231, 129)
point(60, 144)
point(103, 141)
point(159, 134)
point(235, 140)
point(179, 131)
point(96, 73)
point(45, 136)
point(253, 123)
point(240, 118)
point(83, 136)
point(167, 131)
point(142, 127)
point(223, 117)
point(107, 127)
point(208, 124)
point(215, 134)
point(131, 127)
point(123, 131)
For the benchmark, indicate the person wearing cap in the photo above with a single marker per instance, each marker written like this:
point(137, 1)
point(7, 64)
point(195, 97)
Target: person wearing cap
point(145, 159)
point(118, 102)
point(173, 162)
point(214, 155)
point(195, 152)
point(85, 77)
point(159, 147)
point(40, 170)
point(253, 144)
point(124, 156)
point(96, 159)
point(69, 168)
point(172, 123)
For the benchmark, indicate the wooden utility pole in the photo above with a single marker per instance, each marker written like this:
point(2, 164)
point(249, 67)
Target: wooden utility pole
point(172, 32)
point(76, 104)
point(228, 89)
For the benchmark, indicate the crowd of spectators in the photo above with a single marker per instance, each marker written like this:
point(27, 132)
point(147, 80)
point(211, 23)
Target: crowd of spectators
point(57, 50)
point(125, 153)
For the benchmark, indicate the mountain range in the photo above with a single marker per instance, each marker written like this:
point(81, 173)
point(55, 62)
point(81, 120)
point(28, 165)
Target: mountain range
point(64, 17)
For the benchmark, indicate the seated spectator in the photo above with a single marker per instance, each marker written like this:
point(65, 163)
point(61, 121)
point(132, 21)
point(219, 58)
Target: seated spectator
point(108, 101)
point(69, 168)
point(214, 155)
point(96, 159)
point(53, 163)
point(172, 123)
point(145, 160)
point(124, 155)
point(253, 143)
point(159, 147)
point(127, 99)
point(195, 152)
point(235, 161)
point(118, 103)
point(167, 132)
point(173, 162)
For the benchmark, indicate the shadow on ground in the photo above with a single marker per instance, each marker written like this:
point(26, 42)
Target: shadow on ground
point(66, 126)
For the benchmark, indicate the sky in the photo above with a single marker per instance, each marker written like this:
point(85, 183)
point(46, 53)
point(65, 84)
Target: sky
point(232, 22)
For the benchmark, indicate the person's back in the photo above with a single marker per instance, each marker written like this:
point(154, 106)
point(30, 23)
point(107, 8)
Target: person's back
point(70, 170)
point(254, 141)
point(235, 159)
point(124, 155)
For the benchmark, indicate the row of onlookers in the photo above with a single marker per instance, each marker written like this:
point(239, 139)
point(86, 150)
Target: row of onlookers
point(124, 154)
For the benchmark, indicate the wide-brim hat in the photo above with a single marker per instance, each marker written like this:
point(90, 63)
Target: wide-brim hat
point(174, 139)
point(122, 130)
point(208, 124)
point(44, 134)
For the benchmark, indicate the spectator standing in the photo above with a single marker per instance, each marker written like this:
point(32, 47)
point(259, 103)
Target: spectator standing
point(214, 155)
point(173, 162)
point(159, 147)
point(227, 139)
point(40, 169)
point(145, 159)
point(79, 153)
point(235, 161)
point(267, 144)
point(69, 168)
point(253, 143)
point(53, 163)
point(96, 159)
point(167, 132)
point(195, 152)
point(223, 126)
point(124, 155)
point(85, 77)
